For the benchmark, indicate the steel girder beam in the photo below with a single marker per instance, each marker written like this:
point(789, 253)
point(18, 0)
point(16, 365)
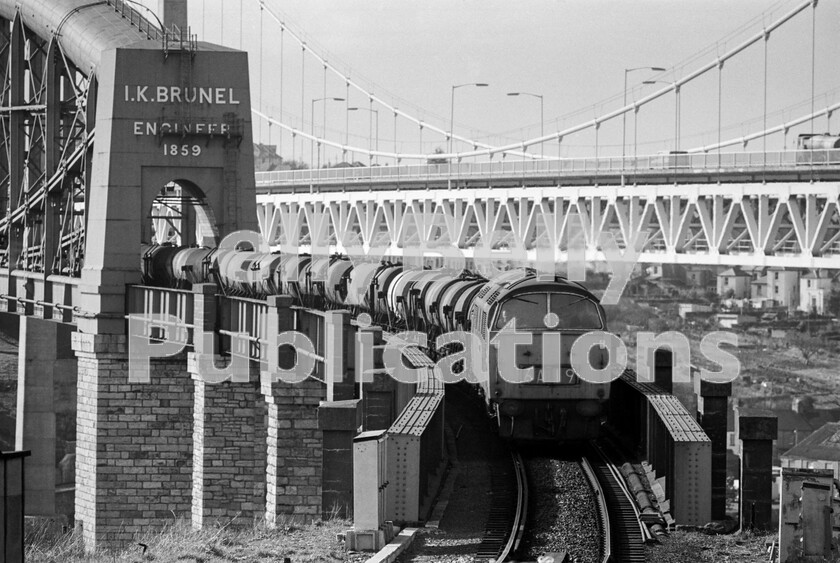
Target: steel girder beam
point(48, 110)
point(749, 224)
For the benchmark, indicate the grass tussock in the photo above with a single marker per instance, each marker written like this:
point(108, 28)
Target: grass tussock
point(177, 542)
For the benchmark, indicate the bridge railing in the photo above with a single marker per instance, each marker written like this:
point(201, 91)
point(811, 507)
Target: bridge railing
point(151, 304)
point(134, 17)
point(677, 162)
point(174, 36)
point(243, 316)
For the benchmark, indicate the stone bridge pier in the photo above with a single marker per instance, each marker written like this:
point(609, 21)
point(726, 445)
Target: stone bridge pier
point(45, 421)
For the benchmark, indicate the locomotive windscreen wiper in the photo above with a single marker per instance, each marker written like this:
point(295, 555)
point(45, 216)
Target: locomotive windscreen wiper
point(575, 302)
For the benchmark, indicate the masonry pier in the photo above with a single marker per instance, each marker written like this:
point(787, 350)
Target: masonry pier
point(46, 400)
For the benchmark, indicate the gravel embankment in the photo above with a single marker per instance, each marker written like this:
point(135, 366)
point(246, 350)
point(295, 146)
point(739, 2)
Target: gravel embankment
point(697, 547)
point(562, 514)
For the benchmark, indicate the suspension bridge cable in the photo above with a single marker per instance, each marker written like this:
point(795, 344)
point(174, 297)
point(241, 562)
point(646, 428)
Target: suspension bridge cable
point(677, 66)
point(369, 94)
point(720, 100)
point(282, 87)
point(261, 66)
point(764, 124)
point(783, 127)
point(488, 150)
point(655, 95)
point(302, 92)
point(813, 55)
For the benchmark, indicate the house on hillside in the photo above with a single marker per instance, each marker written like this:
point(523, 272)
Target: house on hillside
point(266, 158)
point(700, 277)
point(783, 287)
point(734, 283)
point(814, 289)
point(820, 450)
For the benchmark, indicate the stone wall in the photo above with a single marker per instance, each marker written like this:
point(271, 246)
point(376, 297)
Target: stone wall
point(295, 450)
point(229, 452)
point(134, 442)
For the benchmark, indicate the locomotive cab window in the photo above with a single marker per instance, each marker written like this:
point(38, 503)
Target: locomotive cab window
point(528, 310)
point(575, 312)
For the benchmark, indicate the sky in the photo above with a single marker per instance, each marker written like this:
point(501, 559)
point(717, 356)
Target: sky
point(572, 52)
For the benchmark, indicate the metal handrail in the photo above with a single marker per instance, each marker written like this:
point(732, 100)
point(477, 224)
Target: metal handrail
point(669, 162)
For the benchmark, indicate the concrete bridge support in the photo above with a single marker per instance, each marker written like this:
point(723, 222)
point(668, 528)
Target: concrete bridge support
point(134, 442)
point(46, 393)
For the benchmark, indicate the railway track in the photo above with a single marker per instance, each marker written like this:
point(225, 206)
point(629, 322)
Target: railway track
point(508, 511)
point(623, 535)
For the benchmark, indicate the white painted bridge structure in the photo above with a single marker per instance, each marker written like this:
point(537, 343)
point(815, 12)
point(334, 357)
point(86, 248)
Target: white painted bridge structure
point(693, 220)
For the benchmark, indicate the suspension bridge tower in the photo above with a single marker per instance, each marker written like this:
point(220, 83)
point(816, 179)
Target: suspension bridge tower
point(119, 131)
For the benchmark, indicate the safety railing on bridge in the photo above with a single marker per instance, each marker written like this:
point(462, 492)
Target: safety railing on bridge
point(669, 162)
point(135, 18)
point(161, 313)
point(29, 293)
point(182, 39)
point(245, 326)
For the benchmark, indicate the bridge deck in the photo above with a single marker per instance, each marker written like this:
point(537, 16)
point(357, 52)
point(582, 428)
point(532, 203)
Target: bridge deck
point(778, 166)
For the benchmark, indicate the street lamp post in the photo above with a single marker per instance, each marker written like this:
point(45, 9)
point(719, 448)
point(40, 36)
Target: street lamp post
point(312, 128)
point(542, 115)
point(452, 108)
point(624, 115)
point(376, 113)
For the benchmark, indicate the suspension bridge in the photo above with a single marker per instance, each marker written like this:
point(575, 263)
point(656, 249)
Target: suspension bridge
point(123, 128)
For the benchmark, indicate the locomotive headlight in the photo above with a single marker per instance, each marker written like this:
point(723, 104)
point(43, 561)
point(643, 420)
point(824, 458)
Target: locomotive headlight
point(512, 408)
point(603, 356)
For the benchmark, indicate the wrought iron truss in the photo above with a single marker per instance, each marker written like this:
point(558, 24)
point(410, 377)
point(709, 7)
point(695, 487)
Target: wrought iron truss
point(751, 224)
point(47, 111)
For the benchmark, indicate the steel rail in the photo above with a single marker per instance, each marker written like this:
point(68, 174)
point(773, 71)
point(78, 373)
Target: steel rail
point(505, 525)
point(518, 528)
point(603, 512)
point(627, 537)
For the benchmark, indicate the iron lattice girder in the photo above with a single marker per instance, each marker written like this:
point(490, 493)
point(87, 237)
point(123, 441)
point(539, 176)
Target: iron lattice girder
point(47, 132)
point(746, 224)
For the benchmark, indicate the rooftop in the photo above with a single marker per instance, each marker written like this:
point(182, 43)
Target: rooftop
point(823, 444)
point(733, 272)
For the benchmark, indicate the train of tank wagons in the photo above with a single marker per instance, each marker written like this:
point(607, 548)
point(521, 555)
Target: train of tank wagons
point(564, 408)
